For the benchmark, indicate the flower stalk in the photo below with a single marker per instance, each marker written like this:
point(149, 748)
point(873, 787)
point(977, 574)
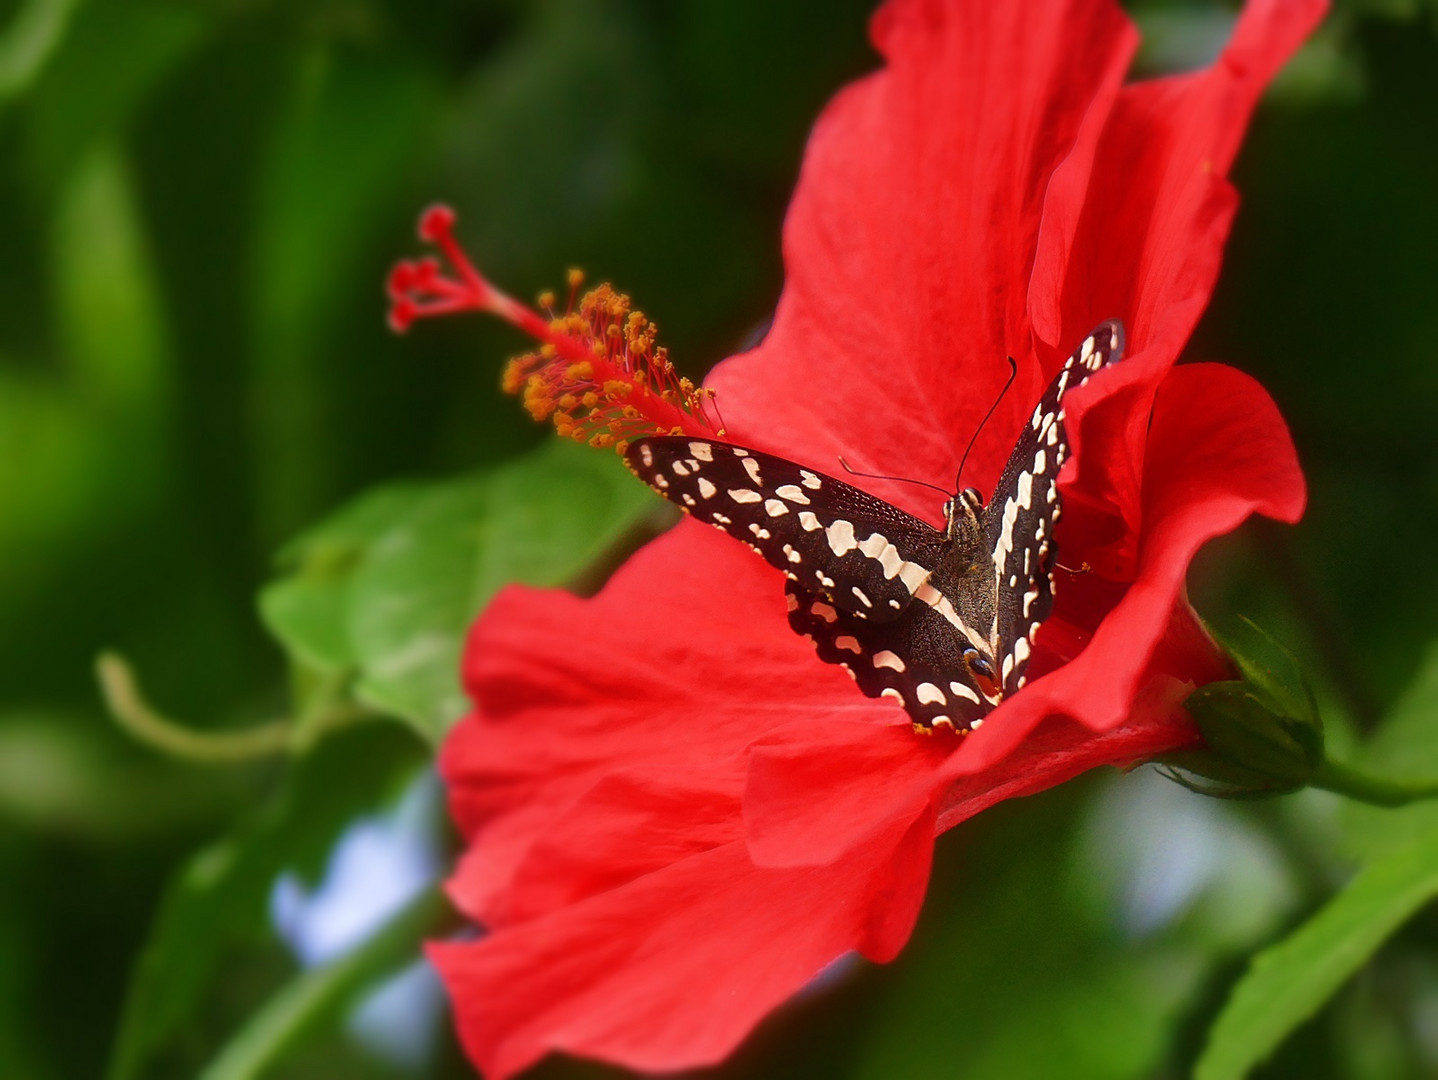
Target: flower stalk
point(1364, 787)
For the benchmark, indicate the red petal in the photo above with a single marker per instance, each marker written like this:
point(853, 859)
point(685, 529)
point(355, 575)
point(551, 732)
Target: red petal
point(809, 800)
point(672, 970)
point(811, 795)
point(910, 240)
point(1135, 228)
point(640, 680)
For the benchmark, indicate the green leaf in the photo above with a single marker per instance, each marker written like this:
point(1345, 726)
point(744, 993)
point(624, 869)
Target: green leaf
point(217, 907)
point(321, 994)
point(309, 610)
point(389, 586)
point(1288, 982)
point(1405, 748)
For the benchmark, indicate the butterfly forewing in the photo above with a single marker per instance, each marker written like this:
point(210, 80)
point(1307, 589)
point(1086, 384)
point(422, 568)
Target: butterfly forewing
point(1019, 524)
point(860, 554)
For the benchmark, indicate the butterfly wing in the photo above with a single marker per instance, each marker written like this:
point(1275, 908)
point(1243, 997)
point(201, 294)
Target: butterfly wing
point(1025, 507)
point(915, 660)
point(860, 554)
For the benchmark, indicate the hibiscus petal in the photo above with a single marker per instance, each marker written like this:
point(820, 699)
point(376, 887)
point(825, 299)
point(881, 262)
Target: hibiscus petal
point(808, 800)
point(639, 678)
point(812, 794)
point(1158, 176)
point(909, 242)
point(602, 977)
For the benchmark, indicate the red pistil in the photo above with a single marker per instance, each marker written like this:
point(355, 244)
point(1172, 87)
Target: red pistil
point(598, 373)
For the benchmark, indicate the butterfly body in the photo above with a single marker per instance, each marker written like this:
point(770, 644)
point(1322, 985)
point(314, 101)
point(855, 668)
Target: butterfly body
point(942, 622)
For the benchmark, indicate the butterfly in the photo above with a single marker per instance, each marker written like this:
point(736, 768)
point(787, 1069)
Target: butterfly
point(943, 623)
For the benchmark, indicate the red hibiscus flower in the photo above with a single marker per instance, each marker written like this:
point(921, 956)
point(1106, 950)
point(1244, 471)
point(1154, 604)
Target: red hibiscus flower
point(676, 815)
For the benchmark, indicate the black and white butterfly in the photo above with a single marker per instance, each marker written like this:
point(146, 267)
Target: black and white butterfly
point(941, 622)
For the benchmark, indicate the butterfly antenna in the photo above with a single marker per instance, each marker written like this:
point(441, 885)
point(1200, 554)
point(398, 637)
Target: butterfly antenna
point(880, 476)
point(1013, 373)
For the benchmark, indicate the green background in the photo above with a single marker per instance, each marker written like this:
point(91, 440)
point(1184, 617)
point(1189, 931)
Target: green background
point(199, 202)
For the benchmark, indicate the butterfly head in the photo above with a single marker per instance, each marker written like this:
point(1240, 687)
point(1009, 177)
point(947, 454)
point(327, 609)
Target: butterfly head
point(962, 513)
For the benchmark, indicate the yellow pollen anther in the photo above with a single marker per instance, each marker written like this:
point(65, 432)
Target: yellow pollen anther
point(628, 387)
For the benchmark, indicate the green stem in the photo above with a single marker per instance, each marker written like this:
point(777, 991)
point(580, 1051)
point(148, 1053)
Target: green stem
point(151, 727)
point(1364, 787)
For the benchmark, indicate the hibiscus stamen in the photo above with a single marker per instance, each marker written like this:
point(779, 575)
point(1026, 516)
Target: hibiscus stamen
point(598, 374)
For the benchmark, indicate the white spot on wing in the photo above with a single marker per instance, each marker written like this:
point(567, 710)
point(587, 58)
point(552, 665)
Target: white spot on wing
point(809, 521)
point(847, 643)
point(706, 488)
point(824, 611)
point(759, 531)
point(774, 508)
point(752, 468)
point(858, 592)
point(702, 450)
point(841, 537)
point(744, 495)
point(929, 694)
point(810, 481)
point(647, 456)
point(958, 689)
point(892, 694)
point(886, 659)
point(792, 555)
point(793, 493)
point(680, 469)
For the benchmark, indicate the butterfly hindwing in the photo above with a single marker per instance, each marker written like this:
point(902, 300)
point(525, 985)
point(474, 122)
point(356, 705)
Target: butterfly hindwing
point(1025, 507)
point(861, 554)
point(911, 660)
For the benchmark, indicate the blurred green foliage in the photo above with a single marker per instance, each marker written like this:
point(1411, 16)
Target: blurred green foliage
point(199, 200)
